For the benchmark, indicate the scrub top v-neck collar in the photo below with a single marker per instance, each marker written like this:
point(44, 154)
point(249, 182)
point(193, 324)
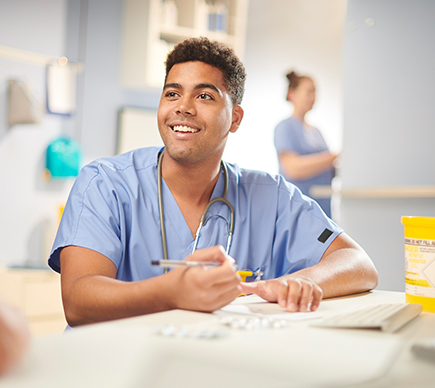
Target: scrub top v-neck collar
point(174, 219)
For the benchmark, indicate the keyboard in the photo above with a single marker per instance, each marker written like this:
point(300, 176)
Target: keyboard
point(386, 317)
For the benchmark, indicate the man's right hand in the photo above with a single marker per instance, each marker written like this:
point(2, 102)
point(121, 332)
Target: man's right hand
point(205, 289)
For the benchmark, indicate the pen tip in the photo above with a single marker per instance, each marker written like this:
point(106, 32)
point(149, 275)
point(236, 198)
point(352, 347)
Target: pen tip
point(155, 262)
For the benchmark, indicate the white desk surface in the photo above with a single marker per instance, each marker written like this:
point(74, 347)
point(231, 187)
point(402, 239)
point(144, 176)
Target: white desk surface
point(128, 353)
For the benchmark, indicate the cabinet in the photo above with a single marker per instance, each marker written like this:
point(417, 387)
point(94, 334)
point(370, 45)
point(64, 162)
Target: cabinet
point(151, 29)
point(37, 293)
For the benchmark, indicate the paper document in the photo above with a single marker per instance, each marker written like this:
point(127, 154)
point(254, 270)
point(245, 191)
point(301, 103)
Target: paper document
point(256, 306)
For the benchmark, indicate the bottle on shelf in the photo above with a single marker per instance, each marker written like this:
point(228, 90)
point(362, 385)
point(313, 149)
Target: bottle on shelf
point(211, 17)
point(218, 17)
point(169, 13)
point(221, 15)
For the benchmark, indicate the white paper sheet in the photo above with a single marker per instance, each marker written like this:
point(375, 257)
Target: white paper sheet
point(255, 306)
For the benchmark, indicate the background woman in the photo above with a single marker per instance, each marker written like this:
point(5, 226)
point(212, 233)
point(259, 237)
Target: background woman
point(304, 158)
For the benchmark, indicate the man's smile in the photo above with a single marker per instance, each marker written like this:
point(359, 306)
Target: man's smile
point(184, 129)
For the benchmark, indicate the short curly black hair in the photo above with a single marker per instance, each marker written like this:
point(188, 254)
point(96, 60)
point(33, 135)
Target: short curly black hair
point(215, 54)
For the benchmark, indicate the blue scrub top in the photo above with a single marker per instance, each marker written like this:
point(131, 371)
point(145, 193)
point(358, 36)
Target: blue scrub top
point(291, 136)
point(113, 209)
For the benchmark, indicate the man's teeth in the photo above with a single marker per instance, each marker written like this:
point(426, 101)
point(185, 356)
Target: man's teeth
point(183, 128)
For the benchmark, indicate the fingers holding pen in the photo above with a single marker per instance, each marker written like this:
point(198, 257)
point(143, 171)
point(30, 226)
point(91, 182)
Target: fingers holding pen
point(219, 274)
point(209, 288)
point(215, 253)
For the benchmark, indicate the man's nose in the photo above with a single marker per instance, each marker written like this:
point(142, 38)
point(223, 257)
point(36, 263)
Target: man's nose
point(186, 107)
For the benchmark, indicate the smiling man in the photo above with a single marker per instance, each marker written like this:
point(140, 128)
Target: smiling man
point(129, 210)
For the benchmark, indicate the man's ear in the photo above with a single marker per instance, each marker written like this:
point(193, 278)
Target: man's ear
point(237, 118)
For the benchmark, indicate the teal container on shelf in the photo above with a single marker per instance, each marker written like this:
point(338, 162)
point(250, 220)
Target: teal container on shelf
point(63, 159)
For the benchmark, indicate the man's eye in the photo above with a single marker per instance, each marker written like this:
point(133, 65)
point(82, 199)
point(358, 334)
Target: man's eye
point(171, 94)
point(204, 96)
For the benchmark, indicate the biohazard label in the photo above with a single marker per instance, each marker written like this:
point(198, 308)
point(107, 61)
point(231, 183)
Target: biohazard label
point(420, 267)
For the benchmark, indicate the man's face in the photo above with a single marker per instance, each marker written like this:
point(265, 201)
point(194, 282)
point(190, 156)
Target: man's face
point(196, 114)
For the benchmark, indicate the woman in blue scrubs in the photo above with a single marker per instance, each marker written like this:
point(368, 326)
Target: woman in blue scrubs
point(304, 158)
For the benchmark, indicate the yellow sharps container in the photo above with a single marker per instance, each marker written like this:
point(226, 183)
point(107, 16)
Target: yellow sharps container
point(420, 261)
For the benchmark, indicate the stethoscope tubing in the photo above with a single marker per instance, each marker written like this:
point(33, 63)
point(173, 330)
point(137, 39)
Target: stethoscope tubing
point(160, 197)
point(204, 214)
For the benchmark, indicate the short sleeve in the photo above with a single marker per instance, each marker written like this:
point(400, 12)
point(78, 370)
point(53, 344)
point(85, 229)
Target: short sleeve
point(303, 231)
point(91, 218)
point(285, 137)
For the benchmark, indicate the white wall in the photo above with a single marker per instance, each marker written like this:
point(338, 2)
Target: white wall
point(281, 36)
point(86, 31)
point(388, 123)
point(28, 203)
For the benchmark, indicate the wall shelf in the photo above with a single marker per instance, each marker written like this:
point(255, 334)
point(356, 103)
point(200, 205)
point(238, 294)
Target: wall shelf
point(375, 192)
point(147, 39)
point(32, 58)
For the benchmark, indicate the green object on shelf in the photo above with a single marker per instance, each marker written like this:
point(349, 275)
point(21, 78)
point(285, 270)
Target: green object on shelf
point(63, 158)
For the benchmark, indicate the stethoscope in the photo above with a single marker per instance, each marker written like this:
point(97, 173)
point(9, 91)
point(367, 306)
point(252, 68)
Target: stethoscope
point(204, 214)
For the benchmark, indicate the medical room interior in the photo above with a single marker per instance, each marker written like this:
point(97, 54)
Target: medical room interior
point(89, 70)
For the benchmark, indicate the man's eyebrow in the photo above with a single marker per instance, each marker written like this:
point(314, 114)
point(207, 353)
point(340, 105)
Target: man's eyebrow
point(173, 85)
point(208, 86)
point(199, 86)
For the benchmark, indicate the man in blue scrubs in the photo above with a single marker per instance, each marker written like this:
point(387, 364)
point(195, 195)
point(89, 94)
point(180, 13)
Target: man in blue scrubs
point(110, 230)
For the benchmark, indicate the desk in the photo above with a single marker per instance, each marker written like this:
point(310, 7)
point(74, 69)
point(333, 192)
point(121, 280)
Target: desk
point(128, 353)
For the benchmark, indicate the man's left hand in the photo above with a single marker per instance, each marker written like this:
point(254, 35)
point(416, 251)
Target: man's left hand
point(292, 293)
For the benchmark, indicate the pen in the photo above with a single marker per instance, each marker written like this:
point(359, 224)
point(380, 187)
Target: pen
point(180, 263)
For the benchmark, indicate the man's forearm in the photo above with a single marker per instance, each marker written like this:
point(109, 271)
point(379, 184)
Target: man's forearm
point(98, 298)
point(343, 272)
point(306, 166)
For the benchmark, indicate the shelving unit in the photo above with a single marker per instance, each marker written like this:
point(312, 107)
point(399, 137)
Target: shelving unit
point(147, 38)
